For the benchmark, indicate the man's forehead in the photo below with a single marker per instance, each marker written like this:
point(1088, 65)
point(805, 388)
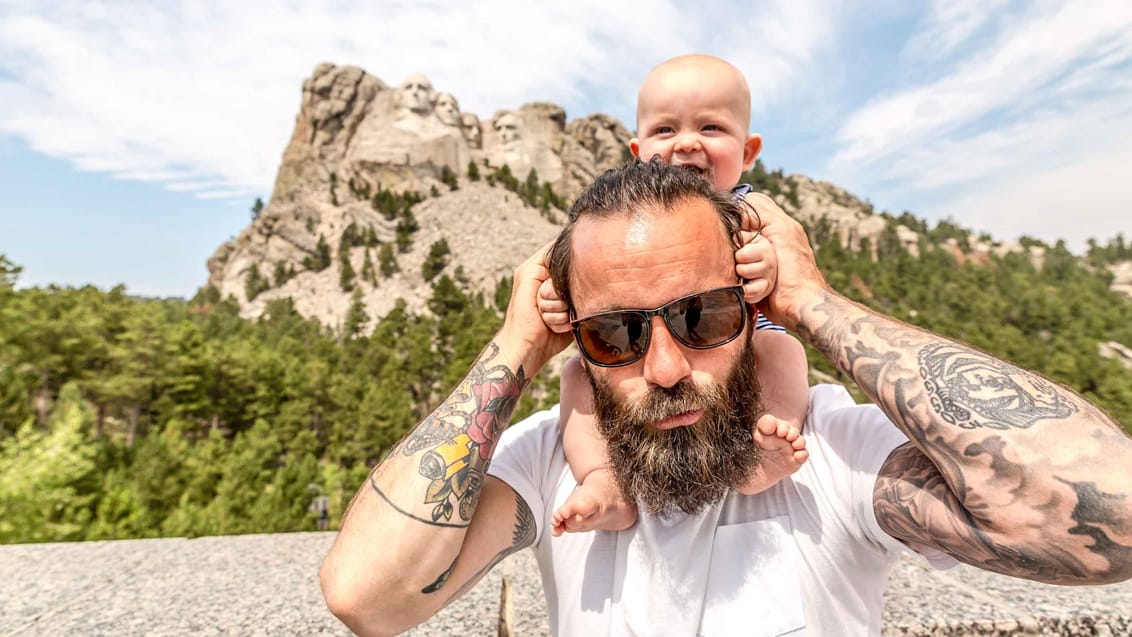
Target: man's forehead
point(645, 256)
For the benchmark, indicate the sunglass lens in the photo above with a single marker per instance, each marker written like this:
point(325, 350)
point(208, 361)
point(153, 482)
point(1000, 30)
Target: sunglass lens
point(613, 339)
point(707, 319)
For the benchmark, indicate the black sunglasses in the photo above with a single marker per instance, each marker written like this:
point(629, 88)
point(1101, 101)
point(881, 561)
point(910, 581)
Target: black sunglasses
point(698, 321)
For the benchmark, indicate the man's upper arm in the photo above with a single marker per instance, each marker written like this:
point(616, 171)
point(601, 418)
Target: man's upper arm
point(915, 505)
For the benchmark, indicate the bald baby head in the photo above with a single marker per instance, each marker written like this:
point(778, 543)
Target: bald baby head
point(694, 111)
point(697, 69)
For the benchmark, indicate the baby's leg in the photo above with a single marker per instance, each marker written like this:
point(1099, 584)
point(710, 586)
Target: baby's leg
point(596, 503)
point(784, 380)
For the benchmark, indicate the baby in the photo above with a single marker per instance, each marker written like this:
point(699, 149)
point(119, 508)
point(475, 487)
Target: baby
point(692, 111)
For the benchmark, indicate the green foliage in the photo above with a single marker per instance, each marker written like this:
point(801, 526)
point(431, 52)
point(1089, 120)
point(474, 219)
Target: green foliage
point(392, 205)
point(255, 283)
point(257, 208)
point(531, 191)
point(438, 257)
point(448, 178)
point(321, 258)
point(1114, 251)
point(50, 476)
point(283, 272)
point(368, 273)
point(433, 191)
point(473, 171)
point(404, 231)
point(387, 261)
point(346, 273)
point(503, 293)
point(356, 316)
point(360, 188)
point(171, 418)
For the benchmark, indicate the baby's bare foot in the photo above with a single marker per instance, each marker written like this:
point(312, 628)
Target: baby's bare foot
point(595, 505)
point(783, 451)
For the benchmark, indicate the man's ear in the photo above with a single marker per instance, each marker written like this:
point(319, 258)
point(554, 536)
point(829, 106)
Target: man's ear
point(635, 147)
point(751, 149)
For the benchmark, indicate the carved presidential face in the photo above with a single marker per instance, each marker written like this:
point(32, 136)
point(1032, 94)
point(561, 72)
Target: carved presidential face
point(447, 110)
point(472, 131)
point(416, 94)
point(507, 127)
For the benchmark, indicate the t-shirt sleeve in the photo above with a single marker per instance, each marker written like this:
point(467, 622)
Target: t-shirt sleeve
point(864, 437)
point(524, 458)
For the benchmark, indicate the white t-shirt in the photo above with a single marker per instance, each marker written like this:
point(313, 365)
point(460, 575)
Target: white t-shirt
point(804, 557)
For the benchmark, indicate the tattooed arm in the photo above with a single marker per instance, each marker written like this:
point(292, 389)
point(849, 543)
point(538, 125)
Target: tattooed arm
point(1004, 470)
point(429, 523)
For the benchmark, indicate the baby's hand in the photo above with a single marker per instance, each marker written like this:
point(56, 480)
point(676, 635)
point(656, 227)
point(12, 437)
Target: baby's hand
point(757, 264)
point(554, 311)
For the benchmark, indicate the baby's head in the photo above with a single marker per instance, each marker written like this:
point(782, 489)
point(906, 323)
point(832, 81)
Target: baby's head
point(695, 111)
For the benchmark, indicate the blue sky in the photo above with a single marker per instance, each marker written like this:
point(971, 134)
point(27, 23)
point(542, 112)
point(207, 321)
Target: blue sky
point(134, 137)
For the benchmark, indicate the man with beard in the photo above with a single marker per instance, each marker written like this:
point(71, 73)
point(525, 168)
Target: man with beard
point(647, 267)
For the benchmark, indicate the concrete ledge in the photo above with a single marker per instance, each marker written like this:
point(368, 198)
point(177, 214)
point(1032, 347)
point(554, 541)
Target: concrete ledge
point(267, 585)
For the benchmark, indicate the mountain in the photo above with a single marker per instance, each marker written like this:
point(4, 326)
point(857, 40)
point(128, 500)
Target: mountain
point(383, 187)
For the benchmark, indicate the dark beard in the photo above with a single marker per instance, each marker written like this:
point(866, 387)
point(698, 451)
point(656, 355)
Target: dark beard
point(689, 467)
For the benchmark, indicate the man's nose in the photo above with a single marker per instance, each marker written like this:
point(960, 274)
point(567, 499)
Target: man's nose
point(666, 363)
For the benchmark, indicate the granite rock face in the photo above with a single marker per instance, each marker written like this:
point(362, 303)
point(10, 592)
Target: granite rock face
point(355, 135)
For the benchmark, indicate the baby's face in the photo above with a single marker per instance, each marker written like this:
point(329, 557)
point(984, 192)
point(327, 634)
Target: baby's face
point(694, 121)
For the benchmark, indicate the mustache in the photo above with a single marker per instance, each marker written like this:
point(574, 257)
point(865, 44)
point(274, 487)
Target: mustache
point(665, 402)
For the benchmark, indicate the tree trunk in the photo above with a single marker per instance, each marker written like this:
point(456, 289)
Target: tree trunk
point(132, 429)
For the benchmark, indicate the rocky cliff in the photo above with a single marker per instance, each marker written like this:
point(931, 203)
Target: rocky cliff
point(360, 147)
point(382, 187)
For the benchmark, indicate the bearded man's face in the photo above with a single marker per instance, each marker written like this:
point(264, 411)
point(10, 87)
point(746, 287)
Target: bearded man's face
point(687, 467)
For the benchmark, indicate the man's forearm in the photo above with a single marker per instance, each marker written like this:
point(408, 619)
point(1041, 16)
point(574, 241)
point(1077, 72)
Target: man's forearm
point(403, 531)
point(1039, 476)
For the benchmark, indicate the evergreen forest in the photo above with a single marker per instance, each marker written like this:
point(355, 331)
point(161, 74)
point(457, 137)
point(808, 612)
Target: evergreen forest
point(123, 417)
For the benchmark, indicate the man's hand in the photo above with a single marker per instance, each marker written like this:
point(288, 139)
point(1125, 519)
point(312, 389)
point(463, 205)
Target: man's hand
point(523, 327)
point(798, 283)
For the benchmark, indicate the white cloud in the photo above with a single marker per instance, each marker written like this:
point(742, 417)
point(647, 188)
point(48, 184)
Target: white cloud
point(949, 24)
point(1036, 52)
point(203, 95)
point(1020, 136)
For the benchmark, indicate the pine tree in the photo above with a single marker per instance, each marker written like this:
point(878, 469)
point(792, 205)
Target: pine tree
point(387, 261)
point(321, 259)
point(346, 271)
point(437, 258)
point(448, 178)
point(255, 283)
point(356, 317)
point(473, 171)
point(367, 270)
